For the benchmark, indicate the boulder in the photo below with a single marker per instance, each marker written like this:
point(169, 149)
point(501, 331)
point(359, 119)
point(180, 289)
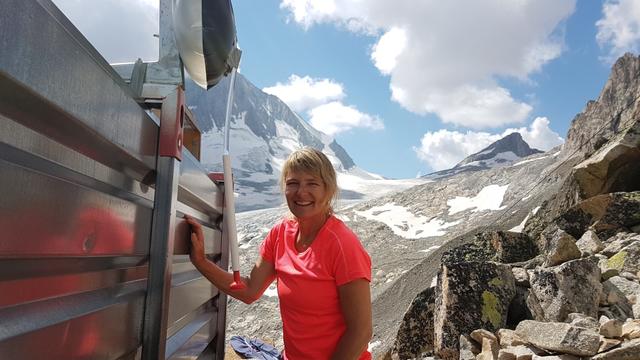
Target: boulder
point(571, 287)
point(415, 335)
point(589, 243)
point(618, 290)
point(480, 334)
point(627, 259)
point(631, 329)
point(521, 276)
point(519, 352)
point(584, 321)
point(469, 296)
point(468, 348)
point(605, 214)
point(606, 344)
point(613, 167)
point(561, 248)
point(508, 337)
point(611, 328)
point(490, 350)
point(627, 351)
point(618, 242)
point(497, 246)
point(560, 337)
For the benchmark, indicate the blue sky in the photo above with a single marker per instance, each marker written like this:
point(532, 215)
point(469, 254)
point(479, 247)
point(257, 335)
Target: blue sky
point(464, 73)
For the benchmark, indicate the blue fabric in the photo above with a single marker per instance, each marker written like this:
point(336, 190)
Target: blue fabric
point(254, 349)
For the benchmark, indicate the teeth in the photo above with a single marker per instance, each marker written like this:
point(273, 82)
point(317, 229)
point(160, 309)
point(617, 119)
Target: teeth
point(303, 203)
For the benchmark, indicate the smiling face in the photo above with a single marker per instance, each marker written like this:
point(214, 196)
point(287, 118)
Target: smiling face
point(306, 195)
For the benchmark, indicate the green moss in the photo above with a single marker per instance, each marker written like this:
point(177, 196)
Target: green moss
point(490, 311)
point(617, 260)
point(496, 282)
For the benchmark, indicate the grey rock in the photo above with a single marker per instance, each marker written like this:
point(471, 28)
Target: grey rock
point(631, 329)
point(584, 321)
point(627, 259)
point(629, 276)
point(480, 334)
point(415, 335)
point(560, 337)
point(508, 337)
point(618, 242)
point(468, 348)
point(521, 276)
point(470, 296)
point(606, 344)
point(621, 289)
point(589, 243)
point(561, 248)
point(497, 246)
point(571, 287)
point(490, 350)
point(611, 328)
point(627, 351)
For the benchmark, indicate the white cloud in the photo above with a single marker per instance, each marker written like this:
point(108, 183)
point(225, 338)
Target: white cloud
point(454, 51)
point(385, 52)
point(304, 93)
point(538, 135)
point(121, 30)
point(619, 28)
point(443, 149)
point(335, 117)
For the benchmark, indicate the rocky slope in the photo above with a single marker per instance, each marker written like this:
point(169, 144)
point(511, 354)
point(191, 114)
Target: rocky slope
point(574, 291)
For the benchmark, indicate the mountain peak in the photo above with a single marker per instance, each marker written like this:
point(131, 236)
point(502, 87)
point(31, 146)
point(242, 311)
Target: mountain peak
point(509, 148)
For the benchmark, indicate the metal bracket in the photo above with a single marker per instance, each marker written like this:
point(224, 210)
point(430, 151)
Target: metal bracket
point(171, 125)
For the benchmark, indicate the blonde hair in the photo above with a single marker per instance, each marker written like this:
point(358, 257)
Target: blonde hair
point(314, 162)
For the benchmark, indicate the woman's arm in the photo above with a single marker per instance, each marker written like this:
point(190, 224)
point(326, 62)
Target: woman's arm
point(262, 274)
point(355, 302)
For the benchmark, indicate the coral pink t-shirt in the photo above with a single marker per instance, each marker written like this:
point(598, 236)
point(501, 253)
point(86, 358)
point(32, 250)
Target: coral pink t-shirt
point(308, 283)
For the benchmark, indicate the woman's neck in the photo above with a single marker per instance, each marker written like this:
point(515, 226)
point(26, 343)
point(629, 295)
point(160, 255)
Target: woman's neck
point(309, 228)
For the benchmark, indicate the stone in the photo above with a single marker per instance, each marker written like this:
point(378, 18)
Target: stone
point(480, 334)
point(505, 355)
point(611, 328)
point(589, 243)
point(415, 334)
point(629, 276)
point(626, 288)
point(521, 276)
point(508, 337)
point(627, 259)
point(605, 214)
point(571, 287)
point(520, 352)
point(468, 348)
point(627, 351)
point(631, 329)
point(635, 309)
point(618, 242)
point(559, 337)
point(605, 271)
point(518, 309)
point(497, 246)
point(555, 357)
point(606, 344)
point(584, 321)
point(561, 248)
point(490, 349)
point(469, 296)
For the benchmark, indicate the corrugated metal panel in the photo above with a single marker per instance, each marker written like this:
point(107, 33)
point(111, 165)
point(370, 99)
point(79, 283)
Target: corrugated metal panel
point(77, 182)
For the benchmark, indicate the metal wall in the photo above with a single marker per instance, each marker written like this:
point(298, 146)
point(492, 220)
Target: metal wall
point(78, 173)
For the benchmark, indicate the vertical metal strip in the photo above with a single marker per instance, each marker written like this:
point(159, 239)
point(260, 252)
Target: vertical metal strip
point(221, 321)
point(154, 334)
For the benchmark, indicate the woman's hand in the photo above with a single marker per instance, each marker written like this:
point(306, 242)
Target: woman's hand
point(196, 255)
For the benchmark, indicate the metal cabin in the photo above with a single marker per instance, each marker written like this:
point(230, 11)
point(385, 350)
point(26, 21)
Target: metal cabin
point(94, 183)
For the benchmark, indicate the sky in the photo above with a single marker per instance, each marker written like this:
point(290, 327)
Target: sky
point(408, 87)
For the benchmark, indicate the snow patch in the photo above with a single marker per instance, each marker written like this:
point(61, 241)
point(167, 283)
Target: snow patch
point(404, 223)
point(373, 344)
point(489, 198)
point(434, 247)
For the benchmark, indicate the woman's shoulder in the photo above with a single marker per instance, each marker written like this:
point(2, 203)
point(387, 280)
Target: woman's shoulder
point(340, 230)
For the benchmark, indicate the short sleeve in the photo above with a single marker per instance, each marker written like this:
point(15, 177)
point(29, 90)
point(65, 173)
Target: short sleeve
point(352, 261)
point(268, 246)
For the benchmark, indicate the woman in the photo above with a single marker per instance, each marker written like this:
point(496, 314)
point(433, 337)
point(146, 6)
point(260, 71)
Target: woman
point(322, 270)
